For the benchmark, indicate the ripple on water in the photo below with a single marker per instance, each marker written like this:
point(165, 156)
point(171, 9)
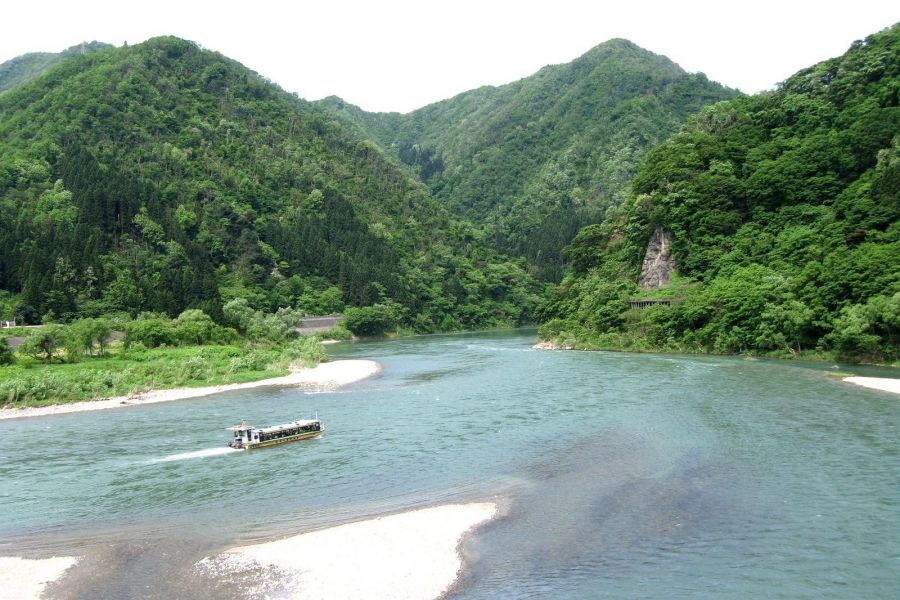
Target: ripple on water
point(627, 475)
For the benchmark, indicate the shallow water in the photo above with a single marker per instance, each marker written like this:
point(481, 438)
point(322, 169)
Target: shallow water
point(621, 475)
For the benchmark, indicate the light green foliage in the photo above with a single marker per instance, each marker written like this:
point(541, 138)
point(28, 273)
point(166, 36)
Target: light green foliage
point(306, 350)
point(164, 177)
point(377, 319)
point(260, 326)
point(87, 334)
point(55, 208)
point(534, 160)
point(44, 342)
point(150, 333)
point(194, 327)
point(867, 329)
point(238, 313)
point(336, 333)
point(24, 68)
point(136, 370)
point(784, 213)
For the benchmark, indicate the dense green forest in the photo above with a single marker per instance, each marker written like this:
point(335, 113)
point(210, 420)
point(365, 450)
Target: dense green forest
point(163, 177)
point(783, 209)
point(142, 182)
point(29, 66)
point(533, 161)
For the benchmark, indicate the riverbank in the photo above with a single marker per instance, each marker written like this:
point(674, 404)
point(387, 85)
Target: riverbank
point(325, 376)
point(884, 384)
point(406, 556)
point(26, 579)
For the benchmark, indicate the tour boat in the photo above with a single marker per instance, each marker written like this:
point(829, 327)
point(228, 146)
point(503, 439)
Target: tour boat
point(247, 437)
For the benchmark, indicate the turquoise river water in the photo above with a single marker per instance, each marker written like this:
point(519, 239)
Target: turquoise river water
point(620, 475)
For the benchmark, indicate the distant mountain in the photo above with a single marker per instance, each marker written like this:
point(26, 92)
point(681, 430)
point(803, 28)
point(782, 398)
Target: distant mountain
point(782, 215)
point(534, 160)
point(161, 176)
point(22, 69)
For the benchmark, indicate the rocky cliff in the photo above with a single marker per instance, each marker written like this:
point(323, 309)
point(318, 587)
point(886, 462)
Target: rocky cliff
point(658, 261)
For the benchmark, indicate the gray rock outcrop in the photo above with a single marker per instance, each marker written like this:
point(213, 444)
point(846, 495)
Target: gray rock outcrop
point(658, 261)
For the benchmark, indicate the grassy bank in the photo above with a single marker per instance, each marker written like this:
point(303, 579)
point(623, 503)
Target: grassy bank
point(630, 341)
point(122, 371)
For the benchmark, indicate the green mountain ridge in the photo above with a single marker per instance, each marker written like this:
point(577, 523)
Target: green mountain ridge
point(160, 177)
point(26, 67)
point(783, 210)
point(534, 160)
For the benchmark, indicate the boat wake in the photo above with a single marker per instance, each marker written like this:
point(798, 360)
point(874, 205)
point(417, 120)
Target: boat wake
point(196, 454)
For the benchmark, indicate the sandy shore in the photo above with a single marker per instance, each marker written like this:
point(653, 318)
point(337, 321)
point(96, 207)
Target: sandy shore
point(877, 383)
point(326, 376)
point(25, 579)
point(412, 555)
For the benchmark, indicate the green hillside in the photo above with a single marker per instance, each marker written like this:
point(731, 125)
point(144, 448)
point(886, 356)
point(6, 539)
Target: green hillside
point(22, 69)
point(783, 210)
point(534, 160)
point(161, 177)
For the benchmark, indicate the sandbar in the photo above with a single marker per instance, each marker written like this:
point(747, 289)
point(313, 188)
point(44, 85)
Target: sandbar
point(323, 377)
point(25, 579)
point(885, 384)
point(405, 556)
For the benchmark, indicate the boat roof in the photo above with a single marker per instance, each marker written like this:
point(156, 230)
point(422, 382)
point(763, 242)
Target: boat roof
point(291, 425)
point(241, 427)
point(273, 428)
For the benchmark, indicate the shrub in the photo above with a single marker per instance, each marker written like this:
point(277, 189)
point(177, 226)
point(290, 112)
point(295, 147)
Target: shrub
point(194, 327)
point(151, 333)
point(44, 342)
point(6, 353)
point(307, 350)
point(338, 332)
point(371, 320)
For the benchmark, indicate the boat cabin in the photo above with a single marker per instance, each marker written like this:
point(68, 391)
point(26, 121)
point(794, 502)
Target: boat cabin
point(248, 436)
point(244, 435)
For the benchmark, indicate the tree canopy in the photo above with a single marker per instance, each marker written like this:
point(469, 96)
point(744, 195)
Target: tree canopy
point(783, 209)
point(163, 177)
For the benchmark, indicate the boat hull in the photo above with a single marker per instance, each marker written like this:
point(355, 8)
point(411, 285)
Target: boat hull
point(283, 440)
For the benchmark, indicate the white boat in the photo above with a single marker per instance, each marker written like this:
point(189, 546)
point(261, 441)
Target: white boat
point(247, 437)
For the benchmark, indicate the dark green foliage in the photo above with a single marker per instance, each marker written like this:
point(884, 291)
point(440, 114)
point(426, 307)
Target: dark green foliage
point(377, 319)
point(162, 177)
point(534, 160)
point(6, 353)
point(783, 207)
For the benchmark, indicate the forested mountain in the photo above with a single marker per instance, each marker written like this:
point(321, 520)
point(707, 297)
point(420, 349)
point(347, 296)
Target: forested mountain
point(783, 214)
point(161, 176)
point(28, 66)
point(533, 161)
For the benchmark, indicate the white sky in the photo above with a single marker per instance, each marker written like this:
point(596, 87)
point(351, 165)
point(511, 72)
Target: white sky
point(400, 55)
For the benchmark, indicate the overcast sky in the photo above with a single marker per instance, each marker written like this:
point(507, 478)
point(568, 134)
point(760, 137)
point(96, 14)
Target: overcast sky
point(399, 55)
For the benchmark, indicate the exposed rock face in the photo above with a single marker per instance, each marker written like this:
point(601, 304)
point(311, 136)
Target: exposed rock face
point(658, 262)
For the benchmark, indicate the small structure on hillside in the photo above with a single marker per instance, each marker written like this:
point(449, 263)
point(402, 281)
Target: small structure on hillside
point(642, 304)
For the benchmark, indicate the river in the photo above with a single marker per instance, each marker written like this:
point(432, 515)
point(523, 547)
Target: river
point(619, 475)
